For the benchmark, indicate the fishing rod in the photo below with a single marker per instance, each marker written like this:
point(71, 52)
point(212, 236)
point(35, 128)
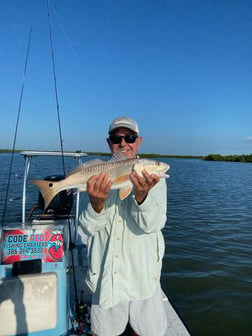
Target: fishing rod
point(16, 129)
point(55, 87)
point(71, 245)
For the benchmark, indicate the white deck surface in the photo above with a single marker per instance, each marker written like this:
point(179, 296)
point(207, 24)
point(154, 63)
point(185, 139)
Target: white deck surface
point(175, 325)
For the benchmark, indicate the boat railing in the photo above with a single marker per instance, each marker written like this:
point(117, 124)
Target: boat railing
point(28, 155)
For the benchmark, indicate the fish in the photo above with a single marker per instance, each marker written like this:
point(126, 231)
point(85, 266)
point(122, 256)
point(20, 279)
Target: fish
point(119, 168)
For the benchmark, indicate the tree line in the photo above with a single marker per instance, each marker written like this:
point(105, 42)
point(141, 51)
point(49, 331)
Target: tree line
point(209, 157)
point(231, 158)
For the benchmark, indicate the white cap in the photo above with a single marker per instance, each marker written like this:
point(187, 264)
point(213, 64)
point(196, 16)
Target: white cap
point(126, 122)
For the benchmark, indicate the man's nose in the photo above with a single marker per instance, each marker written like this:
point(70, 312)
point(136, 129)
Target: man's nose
point(123, 142)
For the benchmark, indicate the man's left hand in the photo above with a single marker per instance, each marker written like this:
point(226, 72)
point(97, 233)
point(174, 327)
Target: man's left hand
point(143, 184)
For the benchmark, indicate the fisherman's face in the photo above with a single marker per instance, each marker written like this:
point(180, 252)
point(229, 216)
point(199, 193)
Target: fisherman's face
point(128, 149)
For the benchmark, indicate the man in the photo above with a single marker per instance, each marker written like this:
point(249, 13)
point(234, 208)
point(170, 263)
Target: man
point(125, 245)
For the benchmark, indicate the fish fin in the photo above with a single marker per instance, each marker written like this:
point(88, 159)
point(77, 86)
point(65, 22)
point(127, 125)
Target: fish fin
point(47, 189)
point(118, 156)
point(92, 163)
point(124, 192)
point(85, 165)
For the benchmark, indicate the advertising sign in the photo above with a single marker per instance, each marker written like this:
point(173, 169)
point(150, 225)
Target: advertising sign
point(45, 244)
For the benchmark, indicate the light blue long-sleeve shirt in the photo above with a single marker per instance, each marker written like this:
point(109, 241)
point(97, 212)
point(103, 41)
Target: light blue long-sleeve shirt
point(125, 246)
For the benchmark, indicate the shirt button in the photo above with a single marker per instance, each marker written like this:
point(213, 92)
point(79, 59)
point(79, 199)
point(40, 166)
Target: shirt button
point(115, 273)
point(116, 255)
point(118, 238)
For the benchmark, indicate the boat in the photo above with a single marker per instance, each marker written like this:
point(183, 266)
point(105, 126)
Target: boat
point(43, 265)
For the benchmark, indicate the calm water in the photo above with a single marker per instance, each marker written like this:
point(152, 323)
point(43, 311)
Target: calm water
point(207, 269)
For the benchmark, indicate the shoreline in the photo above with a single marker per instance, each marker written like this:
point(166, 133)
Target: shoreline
point(209, 157)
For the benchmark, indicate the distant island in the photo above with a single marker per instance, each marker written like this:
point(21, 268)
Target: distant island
point(209, 157)
point(230, 158)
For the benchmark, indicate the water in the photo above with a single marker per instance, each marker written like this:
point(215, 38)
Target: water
point(207, 270)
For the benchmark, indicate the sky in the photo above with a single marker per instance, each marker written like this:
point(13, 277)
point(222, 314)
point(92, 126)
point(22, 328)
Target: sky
point(181, 68)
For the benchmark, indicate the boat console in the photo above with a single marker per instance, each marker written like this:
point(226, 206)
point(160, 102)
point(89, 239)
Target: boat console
point(35, 267)
point(33, 278)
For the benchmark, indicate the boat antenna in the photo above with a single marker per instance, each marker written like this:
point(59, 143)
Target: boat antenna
point(55, 88)
point(16, 129)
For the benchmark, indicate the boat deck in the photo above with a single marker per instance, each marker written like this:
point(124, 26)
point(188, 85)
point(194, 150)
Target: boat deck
point(175, 325)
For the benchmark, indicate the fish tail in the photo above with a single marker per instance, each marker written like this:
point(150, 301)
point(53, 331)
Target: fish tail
point(47, 189)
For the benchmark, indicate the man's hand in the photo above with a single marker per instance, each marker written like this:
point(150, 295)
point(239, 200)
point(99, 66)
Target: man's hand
point(143, 184)
point(98, 187)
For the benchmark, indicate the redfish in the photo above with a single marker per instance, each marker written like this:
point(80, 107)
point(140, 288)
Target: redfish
point(119, 168)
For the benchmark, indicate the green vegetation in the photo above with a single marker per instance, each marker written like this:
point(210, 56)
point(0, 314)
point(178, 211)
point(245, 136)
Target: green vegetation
point(230, 158)
point(8, 151)
point(209, 157)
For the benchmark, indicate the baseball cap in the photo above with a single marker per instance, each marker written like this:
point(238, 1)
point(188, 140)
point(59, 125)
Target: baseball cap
point(126, 122)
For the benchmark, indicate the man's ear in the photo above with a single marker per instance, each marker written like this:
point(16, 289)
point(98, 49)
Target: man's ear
point(139, 141)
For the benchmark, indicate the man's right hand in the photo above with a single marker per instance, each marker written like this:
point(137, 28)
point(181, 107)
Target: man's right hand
point(98, 187)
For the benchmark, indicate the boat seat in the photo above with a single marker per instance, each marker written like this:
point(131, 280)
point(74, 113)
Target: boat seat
point(28, 303)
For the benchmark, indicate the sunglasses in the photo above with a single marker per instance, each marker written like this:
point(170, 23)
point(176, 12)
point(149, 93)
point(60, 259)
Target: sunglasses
point(117, 139)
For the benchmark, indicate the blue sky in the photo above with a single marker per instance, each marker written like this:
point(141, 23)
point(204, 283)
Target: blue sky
point(181, 68)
